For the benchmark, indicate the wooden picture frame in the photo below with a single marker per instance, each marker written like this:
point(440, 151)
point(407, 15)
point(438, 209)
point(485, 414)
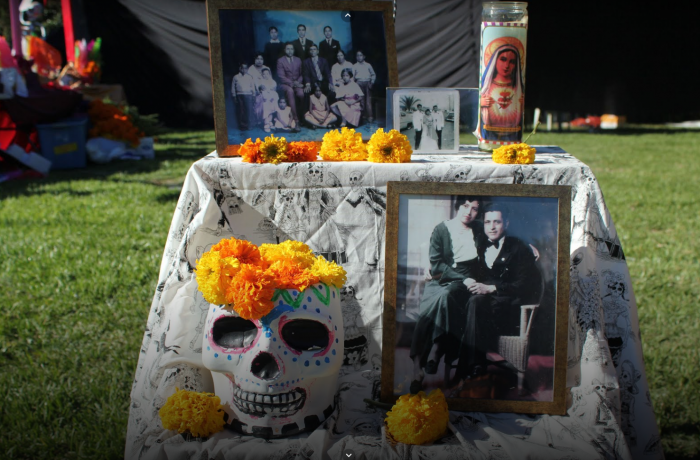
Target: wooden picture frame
point(240, 32)
point(506, 349)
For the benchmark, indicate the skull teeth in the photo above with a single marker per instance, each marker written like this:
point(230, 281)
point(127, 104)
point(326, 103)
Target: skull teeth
point(284, 404)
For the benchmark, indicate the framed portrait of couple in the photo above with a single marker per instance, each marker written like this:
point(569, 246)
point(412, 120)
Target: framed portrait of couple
point(476, 295)
point(299, 69)
point(436, 121)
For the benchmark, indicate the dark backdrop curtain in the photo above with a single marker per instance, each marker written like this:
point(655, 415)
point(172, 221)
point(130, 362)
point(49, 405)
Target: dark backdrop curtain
point(159, 51)
point(583, 58)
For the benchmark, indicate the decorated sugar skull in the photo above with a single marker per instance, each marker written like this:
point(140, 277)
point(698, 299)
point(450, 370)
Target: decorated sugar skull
point(278, 375)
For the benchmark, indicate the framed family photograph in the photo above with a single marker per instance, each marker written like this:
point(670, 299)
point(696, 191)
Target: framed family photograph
point(299, 69)
point(477, 294)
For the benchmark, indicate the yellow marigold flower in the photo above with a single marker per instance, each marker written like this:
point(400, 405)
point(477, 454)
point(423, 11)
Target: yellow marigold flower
point(301, 151)
point(250, 292)
point(329, 272)
point(208, 272)
point(250, 151)
point(230, 266)
point(343, 145)
point(200, 414)
point(391, 147)
point(418, 419)
point(526, 154)
point(244, 251)
point(274, 149)
point(295, 251)
point(289, 275)
point(516, 153)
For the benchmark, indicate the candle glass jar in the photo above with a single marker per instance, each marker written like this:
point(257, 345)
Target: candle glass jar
point(502, 74)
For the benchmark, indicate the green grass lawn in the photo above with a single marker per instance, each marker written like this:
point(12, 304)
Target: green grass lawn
point(80, 253)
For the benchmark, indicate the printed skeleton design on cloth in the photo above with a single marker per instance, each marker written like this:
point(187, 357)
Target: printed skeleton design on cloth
point(617, 323)
point(626, 413)
point(280, 205)
point(629, 376)
point(317, 210)
point(368, 234)
point(357, 335)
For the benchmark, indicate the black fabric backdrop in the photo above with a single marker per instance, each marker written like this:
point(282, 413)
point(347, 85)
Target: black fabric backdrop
point(583, 58)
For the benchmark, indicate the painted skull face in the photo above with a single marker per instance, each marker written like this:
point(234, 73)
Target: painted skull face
point(314, 174)
point(233, 204)
point(356, 178)
point(277, 375)
point(616, 288)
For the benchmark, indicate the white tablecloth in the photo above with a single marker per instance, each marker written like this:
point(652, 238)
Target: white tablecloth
point(339, 210)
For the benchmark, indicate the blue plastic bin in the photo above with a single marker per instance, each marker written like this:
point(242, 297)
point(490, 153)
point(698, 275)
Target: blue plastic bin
point(64, 143)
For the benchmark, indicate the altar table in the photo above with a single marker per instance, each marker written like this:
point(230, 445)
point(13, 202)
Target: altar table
point(338, 209)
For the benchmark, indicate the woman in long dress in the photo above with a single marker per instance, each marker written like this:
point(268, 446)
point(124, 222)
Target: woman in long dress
point(265, 82)
point(502, 96)
point(348, 95)
point(429, 138)
point(319, 114)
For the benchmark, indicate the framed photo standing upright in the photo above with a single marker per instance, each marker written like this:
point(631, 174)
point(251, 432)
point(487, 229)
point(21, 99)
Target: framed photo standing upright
point(298, 69)
point(477, 294)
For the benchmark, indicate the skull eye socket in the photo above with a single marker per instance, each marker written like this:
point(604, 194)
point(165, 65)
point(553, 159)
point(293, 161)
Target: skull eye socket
point(305, 335)
point(232, 332)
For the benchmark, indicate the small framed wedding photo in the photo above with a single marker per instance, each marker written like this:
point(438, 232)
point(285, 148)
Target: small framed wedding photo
point(429, 117)
point(298, 69)
point(476, 295)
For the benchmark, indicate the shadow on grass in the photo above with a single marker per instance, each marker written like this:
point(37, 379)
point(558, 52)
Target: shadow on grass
point(171, 147)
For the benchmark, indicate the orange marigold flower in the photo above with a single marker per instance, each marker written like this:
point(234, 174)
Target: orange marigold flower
point(289, 275)
point(245, 251)
point(250, 151)
point(250, 292)
point(295, 251)
point(301, 151)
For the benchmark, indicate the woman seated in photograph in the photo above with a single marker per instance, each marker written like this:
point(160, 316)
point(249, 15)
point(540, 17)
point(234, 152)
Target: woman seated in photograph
point(348, 95)
point(337, 69)
point(319, 114)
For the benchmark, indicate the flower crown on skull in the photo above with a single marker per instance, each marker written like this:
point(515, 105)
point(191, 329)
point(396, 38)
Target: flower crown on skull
point(240, 274)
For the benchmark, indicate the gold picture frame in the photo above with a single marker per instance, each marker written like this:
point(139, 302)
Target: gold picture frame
point(521, 367)
point(238, 30)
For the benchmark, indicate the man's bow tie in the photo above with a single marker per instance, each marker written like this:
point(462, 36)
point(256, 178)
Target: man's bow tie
point(492, 243)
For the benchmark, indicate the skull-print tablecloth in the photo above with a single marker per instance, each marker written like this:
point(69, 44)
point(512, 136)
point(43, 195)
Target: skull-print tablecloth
point(339, 210)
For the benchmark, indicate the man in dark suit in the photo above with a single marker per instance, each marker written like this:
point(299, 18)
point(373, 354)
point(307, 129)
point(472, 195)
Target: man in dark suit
point(328, 48)
point(274, 49)
point(316, 70)
point(508, 278)
point(291, 80)
point(302, 44)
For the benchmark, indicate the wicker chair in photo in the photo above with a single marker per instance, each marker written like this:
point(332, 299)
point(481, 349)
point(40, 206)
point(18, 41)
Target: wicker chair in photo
point(515, 349)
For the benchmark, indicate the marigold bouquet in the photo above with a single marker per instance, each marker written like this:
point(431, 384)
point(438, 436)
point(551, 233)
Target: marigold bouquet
point(521, 154)
point(200, 414)
point(343, 145)
point(245, 276)
point(418, 419)
point(276, 150)
point(111, 122)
